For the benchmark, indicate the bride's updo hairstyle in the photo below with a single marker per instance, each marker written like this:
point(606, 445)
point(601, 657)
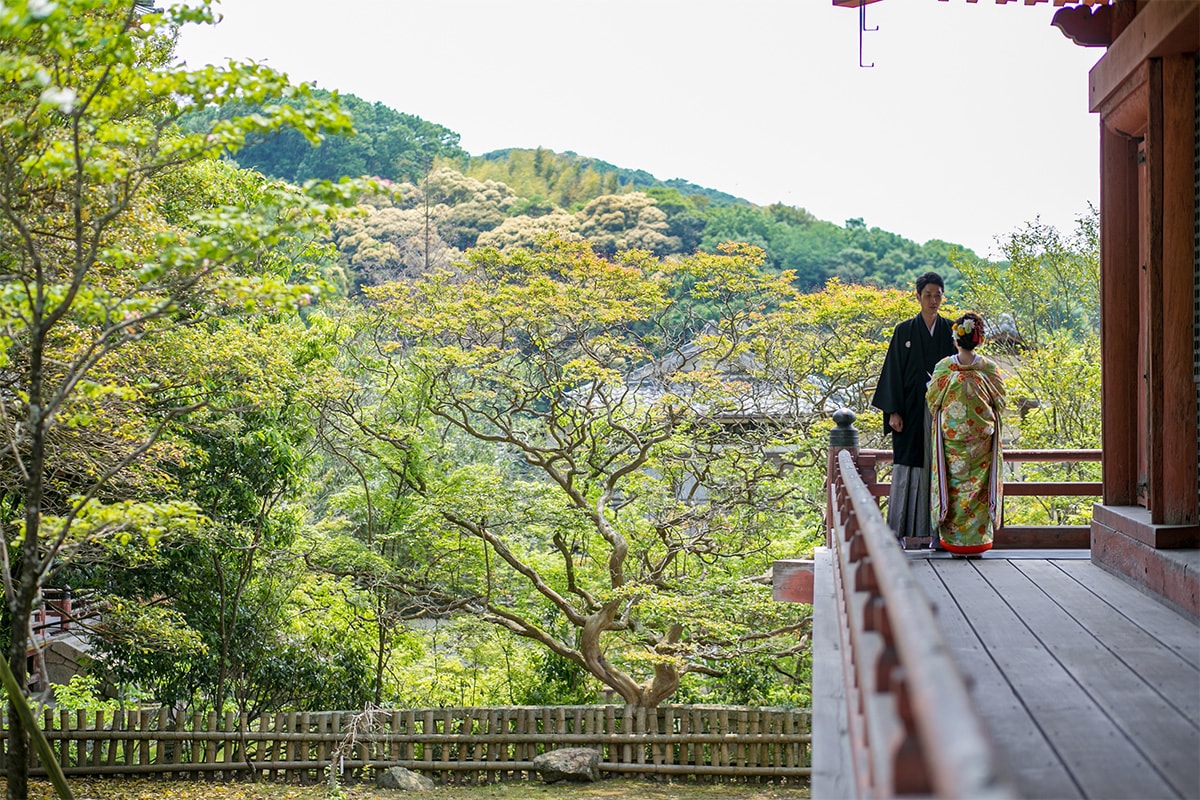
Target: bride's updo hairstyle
point(968, 330)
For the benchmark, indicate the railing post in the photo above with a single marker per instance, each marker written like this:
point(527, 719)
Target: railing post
point(843, 437)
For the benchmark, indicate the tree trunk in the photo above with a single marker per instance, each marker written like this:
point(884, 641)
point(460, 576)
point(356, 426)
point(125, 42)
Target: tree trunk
point(27, 566)
point(17, 766)
point(647, 695)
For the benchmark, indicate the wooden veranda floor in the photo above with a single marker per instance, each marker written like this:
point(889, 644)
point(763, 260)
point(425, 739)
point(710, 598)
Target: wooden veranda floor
point(1088, 687)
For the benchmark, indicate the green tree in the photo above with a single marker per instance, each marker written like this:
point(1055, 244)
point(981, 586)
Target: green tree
point(611, 512)
point(685, 216)
point(471, 207)
point(384, 143)
point(94, 274)
point(1055, 389)
point(1049, 287)
point(533, 173)
point(1048, 282)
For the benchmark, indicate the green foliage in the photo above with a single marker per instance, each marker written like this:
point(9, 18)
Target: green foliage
point(633, 221)
point(1056, 388)
point(579, 415)
point(129, 256)
point(816, 251)
point(82, 693)
point(556, 681)
point(1049, 286)
point(578, 500)
point(546, 189)
point(1048, 283)
point(384, 143)
point(825, 349)
point(569, 180)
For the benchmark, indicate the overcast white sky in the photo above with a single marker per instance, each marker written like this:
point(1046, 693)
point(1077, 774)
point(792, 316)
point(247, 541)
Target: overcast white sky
point(972, 121)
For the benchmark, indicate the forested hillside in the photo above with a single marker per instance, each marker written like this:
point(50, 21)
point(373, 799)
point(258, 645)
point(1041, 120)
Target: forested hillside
point(448, 201)
point(384, 143)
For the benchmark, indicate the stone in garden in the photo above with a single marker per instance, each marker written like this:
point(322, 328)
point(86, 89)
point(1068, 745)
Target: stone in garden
point(404, 779)
point(569, 764)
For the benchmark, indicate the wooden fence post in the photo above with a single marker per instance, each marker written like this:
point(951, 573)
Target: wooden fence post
point(453, 745)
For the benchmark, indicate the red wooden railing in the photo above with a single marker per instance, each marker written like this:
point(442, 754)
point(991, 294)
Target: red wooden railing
point(1014, 536)
point(911, 724)
point(913, 730)
point(60, 611)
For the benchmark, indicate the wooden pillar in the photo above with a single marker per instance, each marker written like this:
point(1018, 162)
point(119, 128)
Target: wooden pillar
point(1145, 91)
point(1176, 100)
point(1146, 296)
point(1119, 312)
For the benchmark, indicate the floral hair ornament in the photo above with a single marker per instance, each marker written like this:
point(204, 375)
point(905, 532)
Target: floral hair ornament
point(967, 328)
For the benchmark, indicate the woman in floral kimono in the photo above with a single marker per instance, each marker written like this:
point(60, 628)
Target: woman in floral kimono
point(966, 396)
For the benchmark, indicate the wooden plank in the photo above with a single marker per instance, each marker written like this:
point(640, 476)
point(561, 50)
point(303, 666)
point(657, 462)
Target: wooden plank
point(1164, 669)
point(1052, 488)
point(792, 580)
point(1100, 758)
point(477, 728)
point(1154, 429)
point(231, 743)
point(98, 748)
point(610, 726)
point(293, 747)
point(1164, 734)
point(954, 626)
point(1027, 755)
point(1052, 456)
point(668, 750)
point(831, 760)
point(494, 750)
point(1158, 620)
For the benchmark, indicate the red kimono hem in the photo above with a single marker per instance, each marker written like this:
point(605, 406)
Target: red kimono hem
point(966, 550)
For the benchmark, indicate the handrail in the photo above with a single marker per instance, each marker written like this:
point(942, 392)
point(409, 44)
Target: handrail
point(1014, 536)
point(868, 459)
point(912, 726)
point(59, 611)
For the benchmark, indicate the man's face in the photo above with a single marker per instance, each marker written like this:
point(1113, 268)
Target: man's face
point(931, 298)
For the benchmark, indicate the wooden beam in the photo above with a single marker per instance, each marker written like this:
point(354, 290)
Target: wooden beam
point(1177, 188)
point(1085, 27)
point(1053, 489)
point(1161, 28)
point(1043, 537)
point(1127, 108)
point(792, 581)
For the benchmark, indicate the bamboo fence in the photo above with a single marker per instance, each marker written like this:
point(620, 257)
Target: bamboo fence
point(448, 745)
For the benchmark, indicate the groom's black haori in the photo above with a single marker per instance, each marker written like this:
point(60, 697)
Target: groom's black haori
point(911, 357)
point(915, 349)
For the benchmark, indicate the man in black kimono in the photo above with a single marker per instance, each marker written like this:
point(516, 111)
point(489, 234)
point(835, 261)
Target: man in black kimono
point(916, 347)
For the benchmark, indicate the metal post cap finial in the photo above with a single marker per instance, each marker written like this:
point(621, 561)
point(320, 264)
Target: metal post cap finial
point(844, 435)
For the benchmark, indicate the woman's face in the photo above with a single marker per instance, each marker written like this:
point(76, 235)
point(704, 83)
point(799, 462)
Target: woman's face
point(931, 299)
